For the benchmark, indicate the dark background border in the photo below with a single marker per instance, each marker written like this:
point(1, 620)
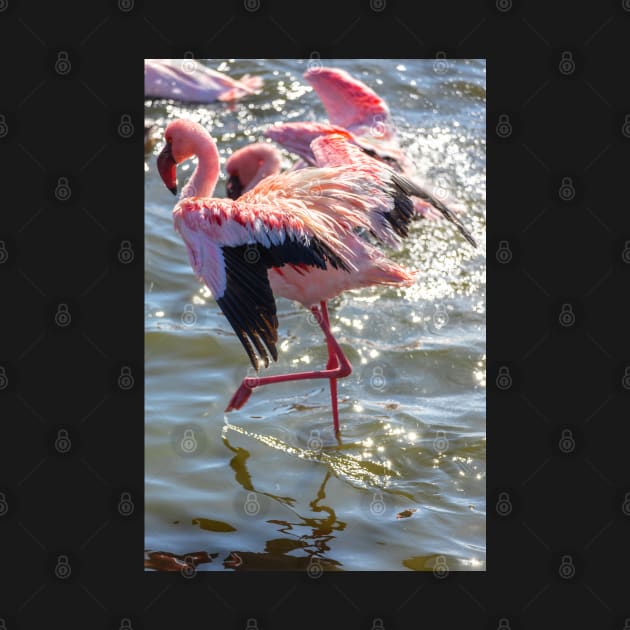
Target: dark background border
point(72, 313)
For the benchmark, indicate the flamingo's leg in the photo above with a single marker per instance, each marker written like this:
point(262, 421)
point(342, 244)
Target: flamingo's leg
point(338, 366)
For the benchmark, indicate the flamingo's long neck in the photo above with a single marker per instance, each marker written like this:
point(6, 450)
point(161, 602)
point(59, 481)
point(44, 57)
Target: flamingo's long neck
point(206, 174)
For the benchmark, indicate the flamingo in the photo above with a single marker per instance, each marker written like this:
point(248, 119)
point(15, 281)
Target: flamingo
point(188, 80)
point(249, 165)
point(355, 109)
point(294, 235)
point(352, 107)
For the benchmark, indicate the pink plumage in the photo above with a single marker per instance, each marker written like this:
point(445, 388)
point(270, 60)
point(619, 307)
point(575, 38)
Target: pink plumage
point(297, 235)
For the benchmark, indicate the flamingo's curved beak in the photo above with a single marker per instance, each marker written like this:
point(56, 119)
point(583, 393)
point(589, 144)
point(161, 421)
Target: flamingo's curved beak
point(234, 188)
point(167, 167)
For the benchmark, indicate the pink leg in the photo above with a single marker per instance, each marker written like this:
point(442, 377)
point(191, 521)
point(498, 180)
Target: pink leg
point(338, 366)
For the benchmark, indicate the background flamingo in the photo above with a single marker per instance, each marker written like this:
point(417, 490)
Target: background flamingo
point(190, 81)
point(355, 109)
point(291, 235)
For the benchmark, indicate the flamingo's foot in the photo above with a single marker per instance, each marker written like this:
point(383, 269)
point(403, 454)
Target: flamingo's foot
point(240, 397)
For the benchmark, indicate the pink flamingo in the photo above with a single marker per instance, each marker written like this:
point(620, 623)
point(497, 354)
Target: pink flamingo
point(355, 109)
point(352, 107)
point(249, 165)
point(189, 81)
point(292, 235)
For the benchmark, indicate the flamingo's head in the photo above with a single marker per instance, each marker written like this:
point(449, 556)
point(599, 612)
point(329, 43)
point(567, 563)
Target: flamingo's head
point(249, 165)
point(241, 168)
point(182, 140)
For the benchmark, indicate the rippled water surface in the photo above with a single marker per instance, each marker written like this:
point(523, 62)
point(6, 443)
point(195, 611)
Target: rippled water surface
point(269, 487)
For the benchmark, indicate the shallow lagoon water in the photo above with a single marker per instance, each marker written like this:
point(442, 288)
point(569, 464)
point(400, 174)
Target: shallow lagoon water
point(406, 488)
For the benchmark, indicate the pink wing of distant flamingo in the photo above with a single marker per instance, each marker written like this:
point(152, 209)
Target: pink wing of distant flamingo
point(350, 103)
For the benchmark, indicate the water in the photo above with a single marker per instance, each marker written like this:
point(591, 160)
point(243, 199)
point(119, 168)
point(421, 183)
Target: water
point(405, 490)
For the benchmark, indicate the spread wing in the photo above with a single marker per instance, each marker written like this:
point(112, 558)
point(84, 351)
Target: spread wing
point(334, 150)
point(350, 103)
point(232, 245)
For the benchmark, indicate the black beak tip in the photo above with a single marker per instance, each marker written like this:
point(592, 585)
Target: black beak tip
point(173, 190)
